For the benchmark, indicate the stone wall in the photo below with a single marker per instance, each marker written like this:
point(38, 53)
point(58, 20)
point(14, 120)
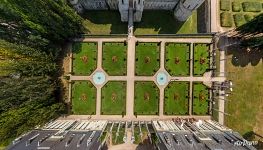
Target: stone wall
point(160, 4)
point(124, 10)
point(94, 4)
point(182, 8)
point(114, 4)
point(138, 6)
point(185, 7)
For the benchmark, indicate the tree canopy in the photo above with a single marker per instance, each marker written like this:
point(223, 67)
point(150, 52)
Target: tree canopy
point(31, 36)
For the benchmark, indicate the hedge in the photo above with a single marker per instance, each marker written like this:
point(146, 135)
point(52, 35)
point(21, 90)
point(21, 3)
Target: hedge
point(248, 17)
point(226, 19)
point(252, 6)
point(236, 7)
point(225, 5)
point(239, 19)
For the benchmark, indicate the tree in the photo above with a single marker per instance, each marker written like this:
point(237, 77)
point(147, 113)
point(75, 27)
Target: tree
point(38, 23)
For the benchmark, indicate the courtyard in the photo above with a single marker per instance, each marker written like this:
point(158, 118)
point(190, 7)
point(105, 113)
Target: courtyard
point(143, 76)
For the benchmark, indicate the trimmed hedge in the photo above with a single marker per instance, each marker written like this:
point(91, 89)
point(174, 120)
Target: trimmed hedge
point(236, 7)
point(252, 6)
point(248, 17)
point(239, 19)
point(226, 19)
point(225, 5)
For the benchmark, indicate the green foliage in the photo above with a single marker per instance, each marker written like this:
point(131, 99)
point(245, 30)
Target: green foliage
point(239, 19)
point(226, 19)
point(236, 6)
point(252, 27)
point(248, 17)
point(225, 5)
point(255, 43)
point(16, 121)
point(31, 34)
point(252, 6)
point(25, 60)
point(49, 21)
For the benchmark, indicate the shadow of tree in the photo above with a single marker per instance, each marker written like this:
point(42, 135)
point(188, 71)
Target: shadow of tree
point(242, 57)
point(106, 17)
point(162, 22)
point(145, 145)
point(76, 48)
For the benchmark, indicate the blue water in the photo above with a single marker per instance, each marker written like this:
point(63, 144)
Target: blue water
point(99, 78)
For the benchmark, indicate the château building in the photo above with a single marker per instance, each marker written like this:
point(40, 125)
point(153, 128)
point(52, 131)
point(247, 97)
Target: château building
point(182, 9)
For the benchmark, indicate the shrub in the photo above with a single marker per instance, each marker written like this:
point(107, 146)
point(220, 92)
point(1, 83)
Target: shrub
point(236, 6)
point(248, 17)
point(239, 19)
point(252, 6)
point(225, 5)
point(226, 19)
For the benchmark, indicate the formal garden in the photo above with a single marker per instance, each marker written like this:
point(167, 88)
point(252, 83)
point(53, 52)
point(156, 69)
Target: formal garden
point(113, 100)
point(84, 58)
point(146, 98)
point(201, 59)
point(115, 59)
point(177, 57)
point(176, 100)
point(234, 13)
point(200, 99)
point(147, 59)
point(83, 98)
point(147, 63)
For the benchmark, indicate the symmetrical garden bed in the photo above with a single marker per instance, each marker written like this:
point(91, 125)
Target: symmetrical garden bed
point(176, 98)
point(113, 99)
point(115, 58)
point(200, 99)
point(84, 58)
point(147, 59)
point(146, 101)
point(201, 59)
point(83, 98)
point(177, 59)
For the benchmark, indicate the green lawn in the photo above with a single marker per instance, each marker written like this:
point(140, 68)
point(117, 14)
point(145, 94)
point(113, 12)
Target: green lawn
point(147, 59)
point(237, 12)
point(176, 98)
point(201, 59)
point(83, 98)
point(84, 58)
point(146, 101)
point(113, 101)
point(115, 58)
point(200, 99)
point(153, 22)
point(104, 22)
point(177, 59)
point(246, 100)
point(163, 22)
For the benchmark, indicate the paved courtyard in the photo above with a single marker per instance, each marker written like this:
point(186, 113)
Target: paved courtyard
point(161, 77)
